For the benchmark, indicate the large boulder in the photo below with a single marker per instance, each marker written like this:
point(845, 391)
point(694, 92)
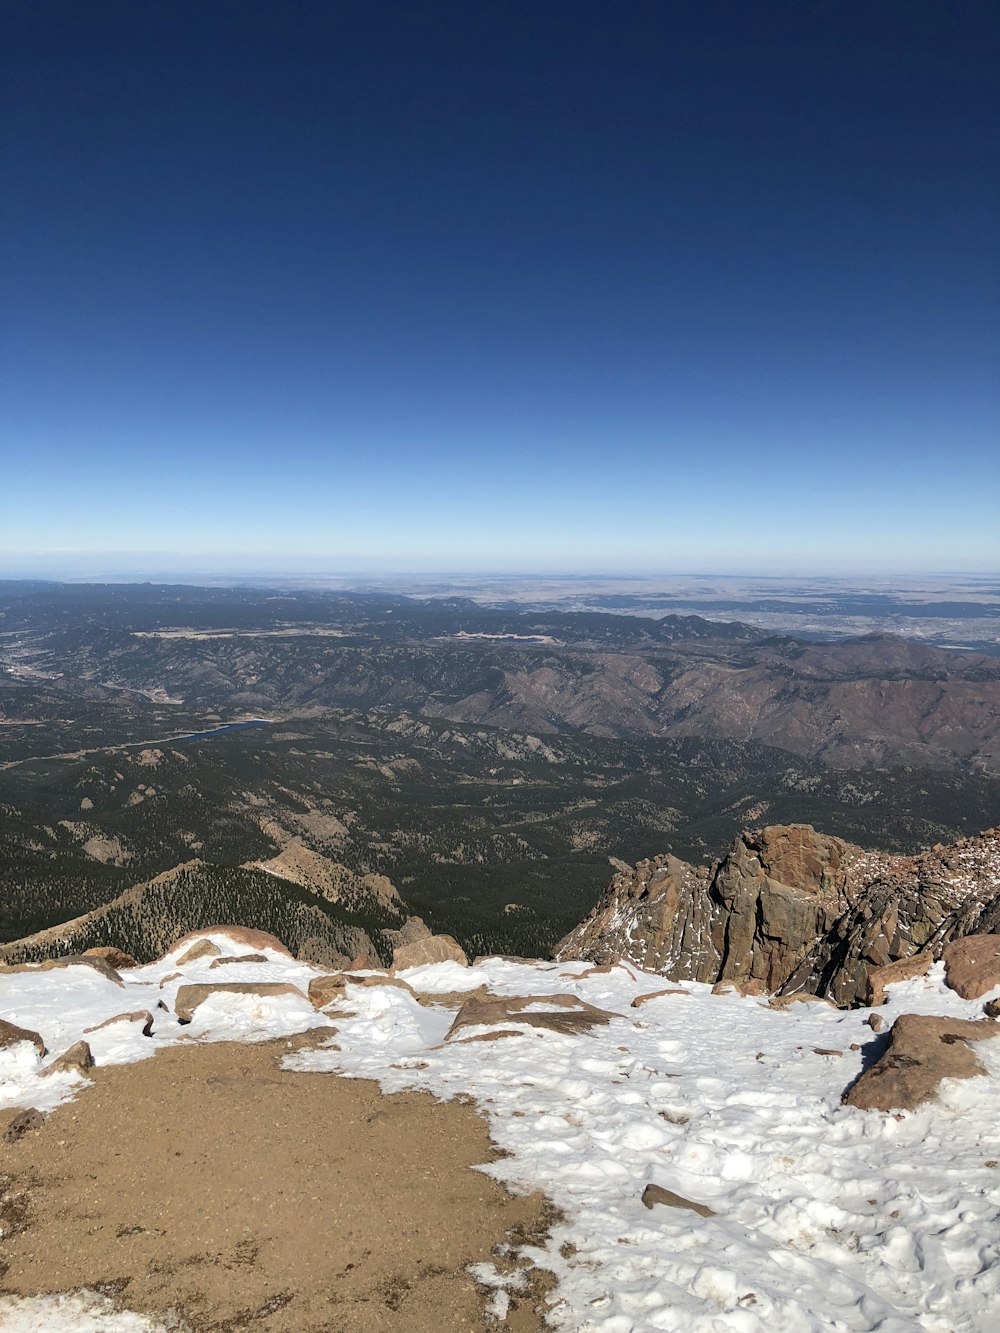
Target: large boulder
point(922, 1051)
point(972, 965)
point(189, 997)
point(428, 949)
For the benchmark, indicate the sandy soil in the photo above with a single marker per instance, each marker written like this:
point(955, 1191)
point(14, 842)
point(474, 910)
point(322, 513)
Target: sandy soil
point(210, 1182)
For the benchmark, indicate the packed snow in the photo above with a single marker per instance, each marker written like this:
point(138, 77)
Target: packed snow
point(825, 1217)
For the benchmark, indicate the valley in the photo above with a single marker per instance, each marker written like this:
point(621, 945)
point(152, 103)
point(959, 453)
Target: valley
point(494, 766)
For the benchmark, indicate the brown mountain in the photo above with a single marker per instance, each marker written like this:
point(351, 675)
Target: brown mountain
point(876, 700)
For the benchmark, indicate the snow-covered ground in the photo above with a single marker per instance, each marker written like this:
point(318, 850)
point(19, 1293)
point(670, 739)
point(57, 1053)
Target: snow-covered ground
point(826, 1217)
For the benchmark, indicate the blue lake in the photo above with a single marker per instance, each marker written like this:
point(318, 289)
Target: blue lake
point(220, 731)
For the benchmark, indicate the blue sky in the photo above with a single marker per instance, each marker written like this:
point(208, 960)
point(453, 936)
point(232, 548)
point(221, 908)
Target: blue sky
point(500, 286)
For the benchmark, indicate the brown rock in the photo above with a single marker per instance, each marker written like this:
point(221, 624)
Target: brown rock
point(324, 990)
point(497, 1034)
point(876, 1022)
point(917, 965)
point(413, 928)
point(481, 958)
point(142, 1016)
point(115, 958)
point(10, 1034)
point(428, 949)
point(451, 999)
point(200, 949)
point(242, 958)
point(561, 1013)
point(992, 1008)
point(654, 1194)
point(78, 1057)
point(824, 1050)
point(640, 1000)
point(922, 1051)
point(23, 1123)
point(252, 939)
point(381, 979)
point(171, 976)
point(786, 1001)
point(191, 996)
point(972, 965)
point(752, 987)
point(70, 960)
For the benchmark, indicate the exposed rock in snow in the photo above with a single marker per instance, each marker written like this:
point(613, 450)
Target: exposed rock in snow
point(922, 1051)
point(244, 935)
point(10, 1034)
point(189, 997)
point(654, 1194)
point(70, 960)
point(200, 949)
point(557, 1013)
point(78, 1059)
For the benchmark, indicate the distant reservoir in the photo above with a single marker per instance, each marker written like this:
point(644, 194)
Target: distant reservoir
point(220, 731)
point(464, 636)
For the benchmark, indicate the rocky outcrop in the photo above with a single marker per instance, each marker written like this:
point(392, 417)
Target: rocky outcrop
point(794, 910)
point(922, 1050)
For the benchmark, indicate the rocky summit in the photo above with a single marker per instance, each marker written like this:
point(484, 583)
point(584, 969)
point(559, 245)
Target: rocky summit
point(794, 910)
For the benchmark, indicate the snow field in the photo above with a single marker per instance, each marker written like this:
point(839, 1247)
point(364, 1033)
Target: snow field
point(826, 1217)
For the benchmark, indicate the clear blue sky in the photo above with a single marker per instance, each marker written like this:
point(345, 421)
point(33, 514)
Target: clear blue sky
point(557, 286)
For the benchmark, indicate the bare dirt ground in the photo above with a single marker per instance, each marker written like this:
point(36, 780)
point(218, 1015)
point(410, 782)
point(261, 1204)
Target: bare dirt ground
point(209, 1182)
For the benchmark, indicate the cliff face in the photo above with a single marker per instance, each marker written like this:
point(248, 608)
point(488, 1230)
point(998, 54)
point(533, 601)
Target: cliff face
point(793, 910)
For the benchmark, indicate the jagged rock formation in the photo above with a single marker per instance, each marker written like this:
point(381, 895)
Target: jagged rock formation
point(794, 910)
